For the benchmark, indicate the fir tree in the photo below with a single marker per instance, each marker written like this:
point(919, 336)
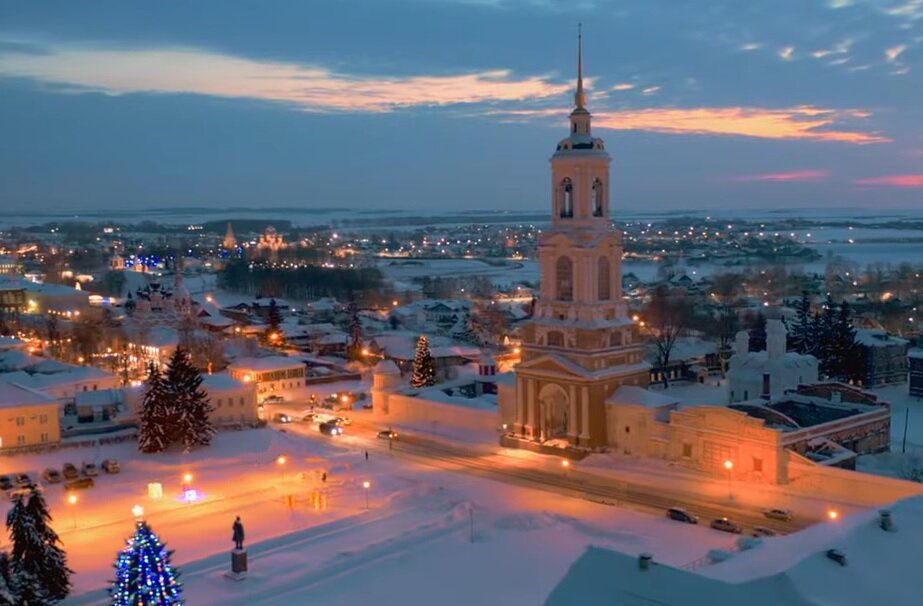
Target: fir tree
point(191, 407)
point(38, 562)
point(155, 423)
point(823, 338)
point(143, 573)
point(424, 367)
point(273, 322)
point(9, 585)
point(758, 333)
point(354, 328)
point(843, 346)
point(800, 330)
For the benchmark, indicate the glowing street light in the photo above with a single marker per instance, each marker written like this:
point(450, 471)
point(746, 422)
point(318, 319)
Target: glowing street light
point(281, 460)
point(565, 465)
point(729, 465)
point(72, 500)
point(833, 515)
point(366, 485)
point(137, 511)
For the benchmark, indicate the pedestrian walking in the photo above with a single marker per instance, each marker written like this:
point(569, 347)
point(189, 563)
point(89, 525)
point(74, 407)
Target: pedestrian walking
point(366, 455)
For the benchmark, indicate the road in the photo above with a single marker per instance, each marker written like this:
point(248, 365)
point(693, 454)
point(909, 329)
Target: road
point(572, 483)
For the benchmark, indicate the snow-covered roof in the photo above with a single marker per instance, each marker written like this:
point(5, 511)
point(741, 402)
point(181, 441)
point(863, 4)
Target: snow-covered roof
point(387, 367)
point(793, 570)
point(266, 363)
point(220, 381)
point(101, 397)
point(638, 396)
point(11, 343)
point(871, 337)
point(13, 395)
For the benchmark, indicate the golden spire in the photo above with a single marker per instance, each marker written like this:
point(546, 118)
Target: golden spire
point(580, 97)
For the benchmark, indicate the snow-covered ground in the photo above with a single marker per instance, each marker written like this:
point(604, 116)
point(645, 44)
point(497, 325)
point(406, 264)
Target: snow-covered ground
point(410, 546)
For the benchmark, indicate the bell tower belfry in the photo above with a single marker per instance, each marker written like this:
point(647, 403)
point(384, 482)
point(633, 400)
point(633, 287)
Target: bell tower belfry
point(580, 344)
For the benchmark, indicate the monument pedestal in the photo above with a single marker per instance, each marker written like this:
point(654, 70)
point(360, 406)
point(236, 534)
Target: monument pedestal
point(238, 565)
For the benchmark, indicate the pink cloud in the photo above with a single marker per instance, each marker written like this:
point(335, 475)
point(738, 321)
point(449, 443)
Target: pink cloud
point(796, 175)
point(893, 181)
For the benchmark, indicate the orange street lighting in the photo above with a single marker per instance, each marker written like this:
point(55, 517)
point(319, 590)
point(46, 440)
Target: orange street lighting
point(281, 460)
point(365, 351)
point(72, 499)
point(394, 303)
point(729, 465)
point(833, 514)
point(366, 485)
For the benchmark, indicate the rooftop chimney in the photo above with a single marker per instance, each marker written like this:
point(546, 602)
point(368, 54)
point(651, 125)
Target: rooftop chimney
point(645, 560)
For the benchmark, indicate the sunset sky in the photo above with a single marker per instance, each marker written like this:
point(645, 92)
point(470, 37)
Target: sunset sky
point(457, 104)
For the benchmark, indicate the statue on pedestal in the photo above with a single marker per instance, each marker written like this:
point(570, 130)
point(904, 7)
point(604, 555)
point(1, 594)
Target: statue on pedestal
point(238, 554)
point(238, 536)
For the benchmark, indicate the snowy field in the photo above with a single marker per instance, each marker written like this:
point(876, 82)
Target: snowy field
point(409, 546)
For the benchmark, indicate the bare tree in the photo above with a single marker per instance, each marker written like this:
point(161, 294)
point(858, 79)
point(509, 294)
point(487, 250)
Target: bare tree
point(665, 317)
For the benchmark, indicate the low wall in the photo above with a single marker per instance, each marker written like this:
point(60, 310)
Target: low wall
point(847, 485)
point(408, 409)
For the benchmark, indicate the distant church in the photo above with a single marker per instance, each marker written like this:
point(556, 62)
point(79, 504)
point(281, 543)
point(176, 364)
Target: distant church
point(581, 345)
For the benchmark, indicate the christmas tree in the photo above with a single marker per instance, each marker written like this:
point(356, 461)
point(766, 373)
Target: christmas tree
point(9, 585)
point(190, 402)
point(153, 431)
point(143, 574)
point(424, 367)
point(38, 563)
point(273, 321)
point(354, 347)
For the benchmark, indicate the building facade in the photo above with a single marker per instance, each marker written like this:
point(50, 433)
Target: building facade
point(27, 417)
point(274, 376)
point(580, 344)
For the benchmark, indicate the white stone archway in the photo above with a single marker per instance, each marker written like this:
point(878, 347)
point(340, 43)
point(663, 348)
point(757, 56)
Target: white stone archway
point(555, 412)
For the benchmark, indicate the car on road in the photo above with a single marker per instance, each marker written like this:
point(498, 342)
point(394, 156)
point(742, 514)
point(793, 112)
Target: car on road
point(90, 470)
point(281, 417)
point(22, 479)
point(111, 466)
point(762, 531)
point(778, 514)
point(330, 429)
point(387, 434)
point(274, 400)
point(6, 482)
point(681, 515)
point(80, 484)
point(309, 416)
point(725, 525)
point(52, 476)
point(341, 421)
point(70, 471)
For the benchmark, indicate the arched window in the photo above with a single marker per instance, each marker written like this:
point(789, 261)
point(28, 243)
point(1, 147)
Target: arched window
point(564, 279)
point(567, 198)
point(597, 198)
point(602, 284)
point(555, 338)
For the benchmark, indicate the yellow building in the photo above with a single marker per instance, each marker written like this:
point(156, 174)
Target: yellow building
point(274, 376)
point(27, 417)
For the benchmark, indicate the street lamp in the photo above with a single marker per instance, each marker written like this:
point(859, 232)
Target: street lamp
point(366, 485)
point(729, 465)
point(565, 464)
point(72, 500)
point(137, 511)
point(833, 514)
point(281, 461)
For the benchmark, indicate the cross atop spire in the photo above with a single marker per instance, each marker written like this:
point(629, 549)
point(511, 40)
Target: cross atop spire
point(580, 97)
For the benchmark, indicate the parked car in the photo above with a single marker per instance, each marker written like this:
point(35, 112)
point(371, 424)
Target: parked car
point(111, 466)
point(343, 421)
point(22, 491)
point(725, 525)
point(80, 484)
point(274, 400)
point(329, 429)
point(70, 471)
point(90, 470)
point(6, 482)
point(762, 531)
point(778, 514)
point(281, 417)
point(387, 434)
point(22, 479)
point(52, 476)
point(308, 416)
point(681, 515)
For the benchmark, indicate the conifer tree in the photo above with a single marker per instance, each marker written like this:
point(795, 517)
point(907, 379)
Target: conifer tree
point(800, 330)
point(155, 422)
point(9, 585)
point(758, 333)
point(144, 575)
point(843, 345)
point(354, 328)
point(190, 403)
point(273, 322)
point(424, 367)
point(38, 562)
point(823, 338)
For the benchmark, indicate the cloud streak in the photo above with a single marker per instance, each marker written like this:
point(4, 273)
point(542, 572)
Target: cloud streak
point(797, 175)
point(892, 181)
point(311, 88)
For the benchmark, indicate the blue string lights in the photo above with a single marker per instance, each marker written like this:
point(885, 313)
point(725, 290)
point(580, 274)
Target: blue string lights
point(144, 576)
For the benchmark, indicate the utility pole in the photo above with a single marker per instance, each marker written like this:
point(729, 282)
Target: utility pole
point(906, 421)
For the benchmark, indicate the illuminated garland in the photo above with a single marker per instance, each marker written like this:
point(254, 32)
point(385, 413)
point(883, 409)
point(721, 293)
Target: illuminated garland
point(144, 576)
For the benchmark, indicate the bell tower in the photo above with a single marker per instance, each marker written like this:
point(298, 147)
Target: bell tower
point(580, 344)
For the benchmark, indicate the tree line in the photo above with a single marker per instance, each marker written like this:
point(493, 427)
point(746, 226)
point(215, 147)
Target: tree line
point(310, 282)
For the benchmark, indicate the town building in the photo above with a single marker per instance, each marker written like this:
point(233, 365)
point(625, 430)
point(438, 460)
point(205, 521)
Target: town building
point(580, 345)
point(769, 373)
point(915, 366)
point(233, 401)
point(230, 241)
point(882, 357)
point(274, 376)
point(27, 417)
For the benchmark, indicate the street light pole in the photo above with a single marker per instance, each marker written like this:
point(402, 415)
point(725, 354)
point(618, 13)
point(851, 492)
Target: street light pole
point(366, 485)
point(729, 465)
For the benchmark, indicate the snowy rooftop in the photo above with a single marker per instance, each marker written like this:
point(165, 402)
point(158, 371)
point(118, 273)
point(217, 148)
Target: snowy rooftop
point(877, 338)
point(267, 363)
point(13, 395)
point(630, 394)
point(220, 381)
point(794, 570)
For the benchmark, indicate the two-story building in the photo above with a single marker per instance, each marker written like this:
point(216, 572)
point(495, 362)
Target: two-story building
point(27, 417)
point(274, 376)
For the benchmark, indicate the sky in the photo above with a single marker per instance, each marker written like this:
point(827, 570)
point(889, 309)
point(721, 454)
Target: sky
point(458, 104)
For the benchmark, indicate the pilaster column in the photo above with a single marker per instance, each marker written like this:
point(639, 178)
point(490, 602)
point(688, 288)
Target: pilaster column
point(585, 417)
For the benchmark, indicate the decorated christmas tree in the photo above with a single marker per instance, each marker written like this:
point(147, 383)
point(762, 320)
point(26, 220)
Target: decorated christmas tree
point(155, 422)
point(143, 574)
point(424, 367)
point(192, 407)
point(38, 563)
